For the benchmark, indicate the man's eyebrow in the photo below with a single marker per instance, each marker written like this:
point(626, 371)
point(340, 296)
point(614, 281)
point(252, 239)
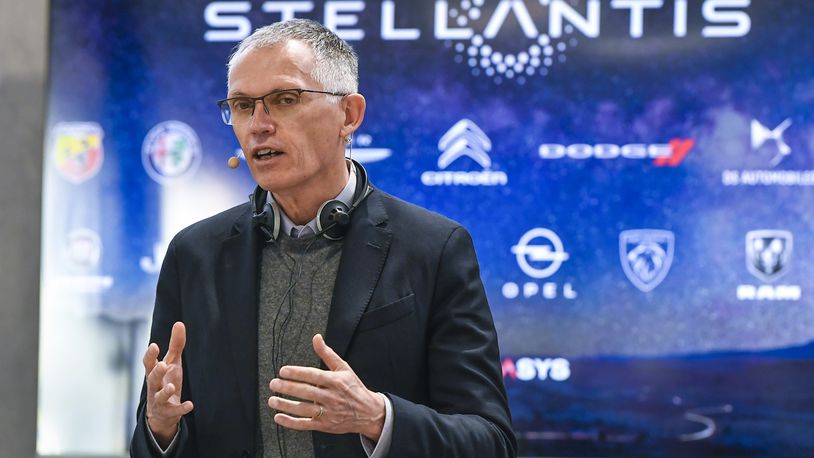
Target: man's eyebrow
point(277, 89)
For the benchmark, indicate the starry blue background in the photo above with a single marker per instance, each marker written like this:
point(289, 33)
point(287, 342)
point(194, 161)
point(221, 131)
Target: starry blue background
point(130, 65)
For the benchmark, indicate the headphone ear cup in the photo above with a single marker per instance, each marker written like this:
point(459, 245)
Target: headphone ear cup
point(334, 216)
point(266, 216)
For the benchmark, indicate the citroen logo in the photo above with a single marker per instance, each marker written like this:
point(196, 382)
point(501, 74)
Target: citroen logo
point(465, 138)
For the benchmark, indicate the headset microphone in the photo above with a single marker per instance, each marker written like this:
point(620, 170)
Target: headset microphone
point(234, 160)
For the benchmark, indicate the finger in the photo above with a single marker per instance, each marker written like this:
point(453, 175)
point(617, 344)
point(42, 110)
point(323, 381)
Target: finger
point(300, 424)
point(299, 390)
point(310, 375)
point(150, 358)
point(186, 407)
point(164, 394)
point(176, 411)
point(327, 355)
point(178, 339)
point(156, 376)
point(297, 408)
point(174, 373)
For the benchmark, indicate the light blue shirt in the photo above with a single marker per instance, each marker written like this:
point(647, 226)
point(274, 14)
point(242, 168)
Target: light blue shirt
point(310, 228)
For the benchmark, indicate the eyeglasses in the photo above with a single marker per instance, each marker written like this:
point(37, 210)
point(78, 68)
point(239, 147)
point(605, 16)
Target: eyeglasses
point(239, 110)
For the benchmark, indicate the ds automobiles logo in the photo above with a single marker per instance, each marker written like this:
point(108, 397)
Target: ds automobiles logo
point(762, 134)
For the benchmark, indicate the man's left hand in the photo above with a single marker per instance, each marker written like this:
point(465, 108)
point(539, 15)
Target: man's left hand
point(333, 401)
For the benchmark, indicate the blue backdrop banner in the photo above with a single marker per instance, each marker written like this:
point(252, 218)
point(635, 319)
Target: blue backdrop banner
point(638, 177)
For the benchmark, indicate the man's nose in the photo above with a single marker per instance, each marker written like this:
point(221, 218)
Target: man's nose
point(262, 118)
point(263, 104)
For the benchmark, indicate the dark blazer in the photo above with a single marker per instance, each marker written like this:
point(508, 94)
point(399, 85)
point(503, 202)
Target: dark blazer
point(408, 313)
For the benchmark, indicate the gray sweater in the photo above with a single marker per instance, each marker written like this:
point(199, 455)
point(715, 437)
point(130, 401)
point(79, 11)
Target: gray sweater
point(296, 284)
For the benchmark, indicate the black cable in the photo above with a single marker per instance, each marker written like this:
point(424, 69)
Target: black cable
point(277, 341)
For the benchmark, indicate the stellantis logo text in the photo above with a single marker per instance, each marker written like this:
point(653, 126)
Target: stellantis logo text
point(548, 27)
point(462, 20)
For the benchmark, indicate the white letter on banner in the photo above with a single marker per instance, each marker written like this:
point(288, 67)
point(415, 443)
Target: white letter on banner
point(500, 14)
point(216, 15)
point(588, 25)
point(389, 30)
point(568, 291)
point(287, 10)
point(637, 8)
point(658, 150)
point(542, 366)
point(442, 30)
point(740, 22)
point(680, 20)
point(635, 151)
point(510, 290)
point(525, 369)
point(530, 289)
point(551, 151)
point(334, 19)
point(550, 290)
point(606, 151)
point(560, 370)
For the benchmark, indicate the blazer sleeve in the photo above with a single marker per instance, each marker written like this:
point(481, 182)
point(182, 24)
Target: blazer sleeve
point(467, 414)
point(166, 312)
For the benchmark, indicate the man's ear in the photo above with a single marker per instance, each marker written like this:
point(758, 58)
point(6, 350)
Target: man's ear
point(354, 107)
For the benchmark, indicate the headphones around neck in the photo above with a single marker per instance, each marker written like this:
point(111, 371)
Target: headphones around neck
point(333, 216)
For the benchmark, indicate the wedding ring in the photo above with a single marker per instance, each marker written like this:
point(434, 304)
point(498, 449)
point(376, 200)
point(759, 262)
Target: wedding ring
point(319, 414)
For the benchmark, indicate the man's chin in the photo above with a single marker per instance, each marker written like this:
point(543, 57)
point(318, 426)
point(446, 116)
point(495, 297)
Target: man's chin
point(264, 179)
point(273, 183)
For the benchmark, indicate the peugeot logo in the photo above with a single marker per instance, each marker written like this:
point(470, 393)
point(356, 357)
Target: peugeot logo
point(646, 256)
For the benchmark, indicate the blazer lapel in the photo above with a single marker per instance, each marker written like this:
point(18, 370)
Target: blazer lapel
point(237, 286)
point(364, 251)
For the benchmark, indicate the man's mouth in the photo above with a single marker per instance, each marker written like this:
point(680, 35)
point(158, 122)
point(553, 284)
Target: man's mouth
point(266, 153)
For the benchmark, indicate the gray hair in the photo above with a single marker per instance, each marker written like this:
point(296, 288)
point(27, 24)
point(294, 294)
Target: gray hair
point(336, 66)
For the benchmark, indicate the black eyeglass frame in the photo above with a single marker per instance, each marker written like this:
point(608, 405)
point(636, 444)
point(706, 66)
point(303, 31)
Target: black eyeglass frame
point(224, 103)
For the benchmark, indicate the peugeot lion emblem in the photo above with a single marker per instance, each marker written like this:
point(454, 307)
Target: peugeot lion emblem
point(646, 256)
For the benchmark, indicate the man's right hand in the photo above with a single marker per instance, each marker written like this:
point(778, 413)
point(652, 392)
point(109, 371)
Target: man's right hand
point(164, 381)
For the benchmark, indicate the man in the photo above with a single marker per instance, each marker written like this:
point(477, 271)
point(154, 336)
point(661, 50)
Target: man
point(409, 364)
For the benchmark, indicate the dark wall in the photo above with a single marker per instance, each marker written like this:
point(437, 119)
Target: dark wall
point(23, 41)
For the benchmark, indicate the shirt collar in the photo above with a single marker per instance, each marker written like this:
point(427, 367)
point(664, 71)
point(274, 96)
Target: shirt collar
point(310, 228)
